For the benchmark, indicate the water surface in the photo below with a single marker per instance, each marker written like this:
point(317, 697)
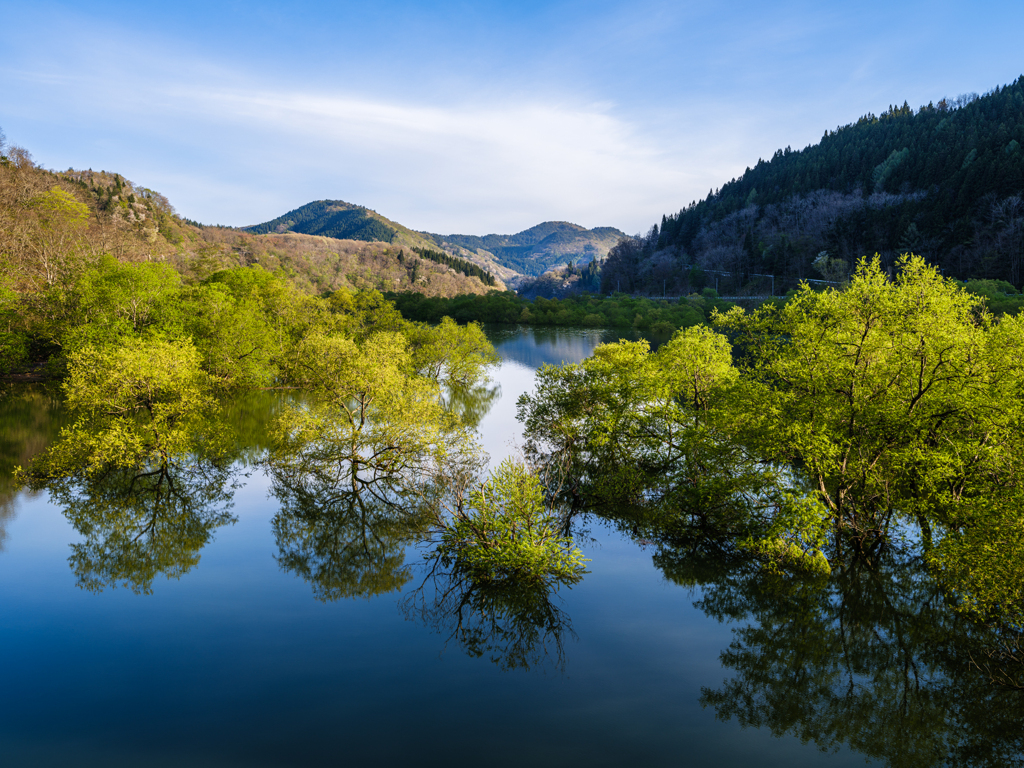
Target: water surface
point(252, 654)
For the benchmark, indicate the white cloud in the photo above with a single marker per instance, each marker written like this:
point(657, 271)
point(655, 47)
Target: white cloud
point(447, 168)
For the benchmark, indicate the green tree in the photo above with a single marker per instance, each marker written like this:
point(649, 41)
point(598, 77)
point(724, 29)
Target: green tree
point(505, 533)
point(116, 300)
point(898, 400)
point(369, 418)
point(453, 354)
point(62, 219)
point(142, 403)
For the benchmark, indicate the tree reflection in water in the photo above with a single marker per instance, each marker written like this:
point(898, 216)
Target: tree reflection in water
point(471, 403)
point(30, 418)
point(516, 625)
point(348, 543)
point(143, 522)
point(871, 658)
point(345, 543)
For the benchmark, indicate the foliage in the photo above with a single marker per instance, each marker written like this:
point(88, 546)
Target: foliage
point(452, 354)
point(370, 417)
point(118, 300)
point(982, 563)
point(644, 314)
point(505, 533)
point(897, 399)
point(139, 404)
point(846, 418)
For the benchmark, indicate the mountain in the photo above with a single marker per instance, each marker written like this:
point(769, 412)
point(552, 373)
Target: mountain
point(89, 213)
point(342, 221)
point(530, 252)
point(534, 250)
point(945, 181)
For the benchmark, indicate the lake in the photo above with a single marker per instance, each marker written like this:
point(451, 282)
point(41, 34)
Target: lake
point(256, 653)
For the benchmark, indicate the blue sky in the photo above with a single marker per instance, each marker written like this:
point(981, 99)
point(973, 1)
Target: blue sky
point(470, 117)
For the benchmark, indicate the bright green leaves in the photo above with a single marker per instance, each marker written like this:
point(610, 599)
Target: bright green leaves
point(629, 426)
point(696, 366)
point(500, 559)
point(117, 300)
point(369, 418)
point(57, 208)
point(982, 562)
point(895, 397)
point(139, 403)
point(505, 532)
point(849, 414)
point(796, 536)
point(581, 421)
point(61, 219)
point(14, 342)
point(450, 353)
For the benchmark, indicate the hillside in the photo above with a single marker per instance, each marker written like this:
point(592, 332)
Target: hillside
point(535, 250)
point(319, 264)
point(55, 226)
point(343, 221)
point(945, 181)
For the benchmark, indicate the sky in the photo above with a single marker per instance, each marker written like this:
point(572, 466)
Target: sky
point(470, 117)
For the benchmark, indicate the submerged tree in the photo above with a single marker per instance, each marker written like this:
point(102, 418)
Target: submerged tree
point(847, 416)
point(503, 532)
point(370, 417)
point(899, 400)
point(141, 404)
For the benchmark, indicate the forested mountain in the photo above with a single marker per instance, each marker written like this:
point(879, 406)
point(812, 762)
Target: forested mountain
point(530, 252)
point(537, 249)
point(343, 221)
point(944, 181)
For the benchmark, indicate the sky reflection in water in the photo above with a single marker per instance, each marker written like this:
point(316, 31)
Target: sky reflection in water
point(257, 655)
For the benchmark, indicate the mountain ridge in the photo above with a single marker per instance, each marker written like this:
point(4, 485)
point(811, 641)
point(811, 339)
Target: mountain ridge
point(539, 248)
point(527, 253)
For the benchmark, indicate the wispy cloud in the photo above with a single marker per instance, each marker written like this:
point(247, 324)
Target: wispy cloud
point(491, 120)
point(459, 167)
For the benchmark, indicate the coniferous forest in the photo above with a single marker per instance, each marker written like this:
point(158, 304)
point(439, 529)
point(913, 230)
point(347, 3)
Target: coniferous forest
point(944, 181)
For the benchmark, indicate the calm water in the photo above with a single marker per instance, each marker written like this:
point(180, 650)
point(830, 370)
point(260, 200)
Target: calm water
point(238, 662)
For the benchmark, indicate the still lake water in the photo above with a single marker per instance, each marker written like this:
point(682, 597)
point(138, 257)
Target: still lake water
point(237, 663)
